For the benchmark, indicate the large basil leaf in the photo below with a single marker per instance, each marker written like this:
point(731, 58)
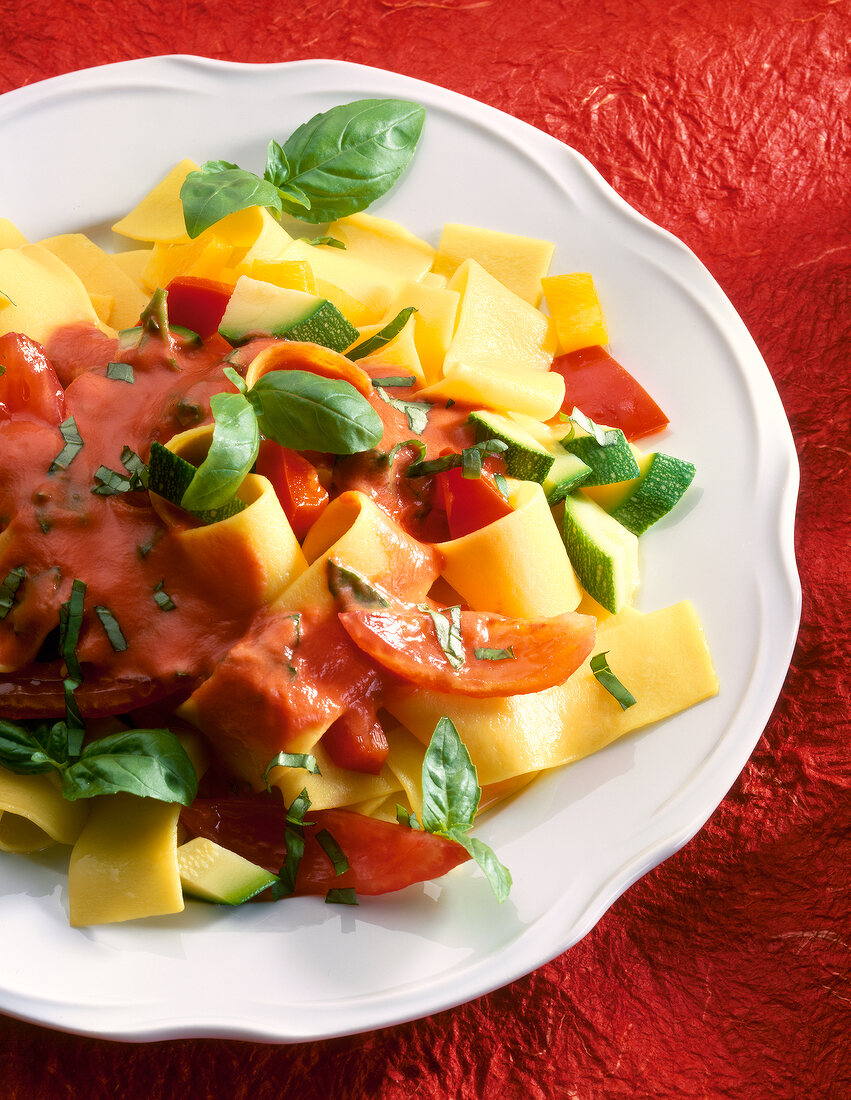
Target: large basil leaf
point(306, 412)
point(346, 158)
point(26, 751)
point(220, 189)
point(232, 453)
point(149, 763)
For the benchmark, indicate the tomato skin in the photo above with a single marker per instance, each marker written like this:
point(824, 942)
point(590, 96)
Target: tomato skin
point(357, 741)
point(197, 304)
point(383, 857)
point(29, 387)
point(546, 651)
point(470, 502)
point(38, 691)
point(599, 386)
point(296, 483)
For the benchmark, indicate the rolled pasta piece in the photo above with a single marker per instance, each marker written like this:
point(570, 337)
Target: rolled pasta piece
point(34, 815)
point(124, 865)
point(661, 658)
point(517, 565)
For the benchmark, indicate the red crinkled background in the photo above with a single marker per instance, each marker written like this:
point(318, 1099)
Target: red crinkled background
point(725, 972)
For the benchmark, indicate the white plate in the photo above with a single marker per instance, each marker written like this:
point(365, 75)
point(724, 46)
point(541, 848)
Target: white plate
point(85, 148)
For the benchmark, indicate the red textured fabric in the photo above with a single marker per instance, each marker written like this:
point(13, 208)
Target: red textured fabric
point(725, 972)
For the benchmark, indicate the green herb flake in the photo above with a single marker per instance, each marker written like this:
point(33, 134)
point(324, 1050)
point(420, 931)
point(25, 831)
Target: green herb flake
point(407, 817)
point(70, 624)
point(73, 445)
point(607, 679)
point(344, 896)
point(113, 630)
point(501, 484)
point(448, 632)
point(294, 836)
point(416, 412)
point(333, 851)
point(329, 242)
point(486, 654)
point(9, 588)
point(401, 380)
point(121, 372)
point(605, 437)
point(161, 598)
point(291, 760)
point(382, 337)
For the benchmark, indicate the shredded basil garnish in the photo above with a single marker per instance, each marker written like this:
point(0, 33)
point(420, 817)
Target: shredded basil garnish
point(333, 851)
point(604, 436)
point(418, 443)
point(122, 372)
point(291, 760)
point(383, 337)
point(162, 599)
point(486, 654)
point(607, 679)
point(415, 411)
point(294, 836)
point(448, 633)
point(501, 484)
point(470, 459)
point(113, 630)
point(404, 817)
point(9, 588)
point(401, 380)
point(73, 445)
point(70, 623)
point(344, 896)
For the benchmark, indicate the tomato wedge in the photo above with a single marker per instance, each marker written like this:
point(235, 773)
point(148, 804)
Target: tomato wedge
point(198, 304)
point(382, 857)
point(501, 656)
point(470, 502)
point(29, 387)
point(598, 385)
point(357, 741)
point(296, 483)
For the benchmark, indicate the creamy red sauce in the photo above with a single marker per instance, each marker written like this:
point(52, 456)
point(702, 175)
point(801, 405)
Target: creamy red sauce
point(58, 530)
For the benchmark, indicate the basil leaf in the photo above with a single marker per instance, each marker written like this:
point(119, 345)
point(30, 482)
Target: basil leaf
point(382, 338)
point(346, 158)
point(404, 817)
point(277, 168)
point(451, 791)
point(309, 413)
point(22, 751)
point(220, 189)
point(113, 630)
point(333, 851)
point(501, 484)
point(329, 242)
point(495, 654)
point(294, 836)
point(73, 445)
point(397, 380)
point(162, 599)
point(70, 623)
point(74, 724)
point(415, 411)
point(342, 896)
point(497, 874)
point(232, 453)
point(149, 763)
point(418, 443)
point(449, 634)
point(122, 372)
point(470, 459)
point(9, 589)
point(607, 679)
point(112, 483)
point(134, 465)
point(604, 436)
point(291, 760)
point(352, 587)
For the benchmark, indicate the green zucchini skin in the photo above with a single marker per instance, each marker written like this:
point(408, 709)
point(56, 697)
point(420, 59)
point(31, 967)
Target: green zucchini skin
point(525, 459)
point(658, 490)
point(603, 553)
point(609, 463)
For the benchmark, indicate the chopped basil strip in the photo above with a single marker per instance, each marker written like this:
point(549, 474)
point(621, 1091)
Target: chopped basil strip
point(333, 851)
point(70, 623)
point(501, 484)
point(470, 459)
point(73, 445)
point(113, 630)
point(9, 588)
point(134, 465)
point(112, 483)
point(331, 242)
point(294, 835)
point(291, 760)
point(604, 436)
point(122, 372)
point(236, 378)
point(607, 679)
point(352, 587)
point(495, 654)
point(415, 411)
point(162, 599)
point(451, 795)
point(345, 896)
point(418, 443)
point(401, 380)
point(449, 634)
point(382, 337)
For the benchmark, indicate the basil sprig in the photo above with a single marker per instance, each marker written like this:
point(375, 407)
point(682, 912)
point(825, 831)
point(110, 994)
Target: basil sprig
point(470, 460)
point(150, 763)
point(451, 794)
point(335, 164)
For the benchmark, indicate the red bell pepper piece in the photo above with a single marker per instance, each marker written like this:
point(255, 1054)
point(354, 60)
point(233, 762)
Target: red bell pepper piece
point(197, 304)
point(470, 502)
point(598, 385)
point(29, 387)
point(296, 481)
point(357, 741)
